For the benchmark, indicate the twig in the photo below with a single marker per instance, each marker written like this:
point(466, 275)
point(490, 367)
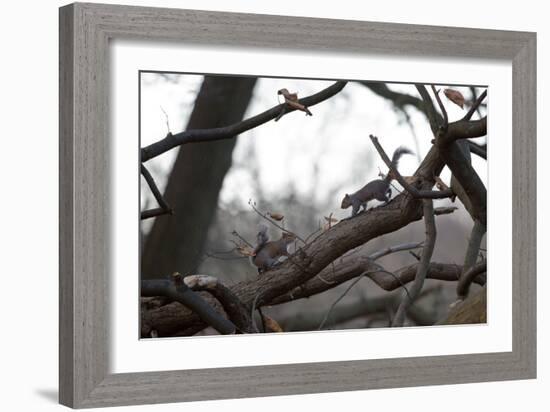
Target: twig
point(264, 215)
point(322, 324)
point(361, 276)
point(167, 121)
point(158, 211)
point(235, 233)
point(394, 249)
point(445, 124)
point(475, 106)
point(164, 208)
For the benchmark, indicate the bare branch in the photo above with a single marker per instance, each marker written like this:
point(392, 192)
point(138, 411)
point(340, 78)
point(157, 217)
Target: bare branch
point(264, 216)
point(423, 266)
point(433, 116)
point(477, 149)
point(466, 280)
point(445, 123)
point(158, 211)
point(228, 132)
point(393, 249)
point(475, 106)
point(164, 208)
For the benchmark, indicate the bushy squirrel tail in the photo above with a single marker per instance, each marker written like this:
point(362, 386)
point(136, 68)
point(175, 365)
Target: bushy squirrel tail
point(400, 151)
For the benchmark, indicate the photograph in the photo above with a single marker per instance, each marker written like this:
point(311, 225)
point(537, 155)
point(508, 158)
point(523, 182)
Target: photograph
point(283, 205)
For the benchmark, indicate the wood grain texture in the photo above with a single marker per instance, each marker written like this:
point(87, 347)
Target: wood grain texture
point(85, 30)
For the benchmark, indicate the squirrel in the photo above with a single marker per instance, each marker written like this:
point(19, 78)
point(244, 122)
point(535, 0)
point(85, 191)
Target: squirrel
point(266, 253)
point(378, 189)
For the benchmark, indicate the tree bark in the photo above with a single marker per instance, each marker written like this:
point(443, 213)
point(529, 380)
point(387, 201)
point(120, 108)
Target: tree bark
point(175, 243)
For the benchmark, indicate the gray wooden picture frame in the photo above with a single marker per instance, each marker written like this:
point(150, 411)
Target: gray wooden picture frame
point(85, 31)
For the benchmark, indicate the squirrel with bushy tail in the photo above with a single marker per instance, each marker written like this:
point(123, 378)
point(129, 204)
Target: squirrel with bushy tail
point(378, 189)
point(267, 253)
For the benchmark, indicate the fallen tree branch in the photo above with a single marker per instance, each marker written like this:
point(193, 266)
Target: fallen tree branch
point(228, 132)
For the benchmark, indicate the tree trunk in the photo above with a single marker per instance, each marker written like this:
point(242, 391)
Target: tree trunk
point(176, 241)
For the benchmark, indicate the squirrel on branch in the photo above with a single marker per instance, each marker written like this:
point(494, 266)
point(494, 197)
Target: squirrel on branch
point(378, 189)
point(267, 253)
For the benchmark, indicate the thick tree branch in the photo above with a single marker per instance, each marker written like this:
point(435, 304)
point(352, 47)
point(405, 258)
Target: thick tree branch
point(178, 291)
point(228, 132)
point(466, 129)
point(467, 177)
point(236, 310)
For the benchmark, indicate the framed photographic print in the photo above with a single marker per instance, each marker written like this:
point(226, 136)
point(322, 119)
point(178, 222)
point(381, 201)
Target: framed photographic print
point(257, 205)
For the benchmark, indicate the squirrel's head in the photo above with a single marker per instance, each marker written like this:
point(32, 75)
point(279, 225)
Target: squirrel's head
point(346, 202)
point(288, 237)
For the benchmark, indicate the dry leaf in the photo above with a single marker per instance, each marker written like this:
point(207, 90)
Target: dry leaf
point(271, 325)
point(331, 219)
point(245, 250)
point(276, 216)
point(455, 96)
point(288, 96)
point(292, 100)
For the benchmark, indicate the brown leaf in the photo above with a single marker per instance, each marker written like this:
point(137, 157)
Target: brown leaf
point(245, 250)
point(331, 219)
point(292, 100)
point(293, 97)
point(276, 216)
point(271, 325)
point(455, 96)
